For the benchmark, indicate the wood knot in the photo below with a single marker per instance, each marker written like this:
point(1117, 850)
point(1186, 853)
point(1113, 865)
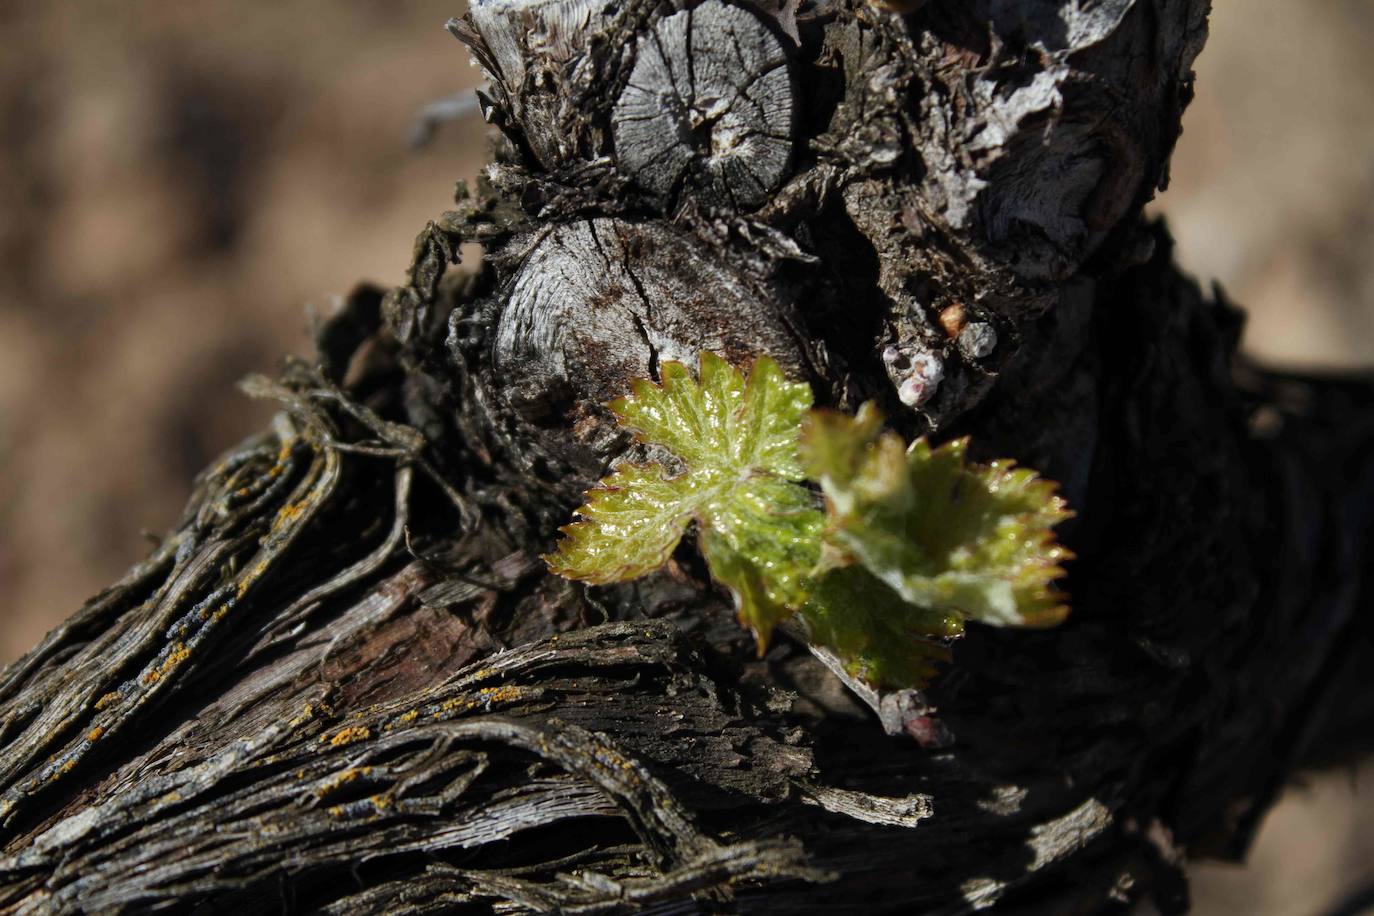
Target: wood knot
point(710, 104)
point(597, 303)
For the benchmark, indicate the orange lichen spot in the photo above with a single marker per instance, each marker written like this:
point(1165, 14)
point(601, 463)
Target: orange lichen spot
point(253, 574)
point(484, 698)
point(178, 655)
point(336, 811)
point(107, 699)
point(611, 759)
point(95, 733)
point(344, 778)
point(350, 734)
point(288, 514)
point(505, 694)
point(381, 802)
point(217, 614)
point(63, 770)
point(456, 705)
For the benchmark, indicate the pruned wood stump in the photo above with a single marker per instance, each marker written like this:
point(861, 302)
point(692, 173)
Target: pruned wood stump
point(346, 682)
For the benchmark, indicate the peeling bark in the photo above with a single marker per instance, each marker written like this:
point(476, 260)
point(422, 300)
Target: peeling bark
point(346, 683)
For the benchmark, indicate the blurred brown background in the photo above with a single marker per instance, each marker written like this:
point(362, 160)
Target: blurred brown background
point(179, 180)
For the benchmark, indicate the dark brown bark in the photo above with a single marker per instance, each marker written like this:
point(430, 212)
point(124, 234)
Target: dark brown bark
point(346, 682)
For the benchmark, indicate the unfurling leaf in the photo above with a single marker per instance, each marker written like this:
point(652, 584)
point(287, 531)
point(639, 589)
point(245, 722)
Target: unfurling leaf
point(967, 541)
point(913, 541)
point(737, 441)
point(881, 638)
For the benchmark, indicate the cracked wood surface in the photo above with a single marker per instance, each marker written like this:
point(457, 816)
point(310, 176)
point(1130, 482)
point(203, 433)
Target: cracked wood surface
point(346, 683)
point(708, 108)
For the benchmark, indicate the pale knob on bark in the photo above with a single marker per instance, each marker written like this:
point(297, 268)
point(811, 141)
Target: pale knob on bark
point(710, 104)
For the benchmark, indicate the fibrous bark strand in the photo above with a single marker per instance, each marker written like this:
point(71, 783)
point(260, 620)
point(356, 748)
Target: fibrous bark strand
point(347, 683)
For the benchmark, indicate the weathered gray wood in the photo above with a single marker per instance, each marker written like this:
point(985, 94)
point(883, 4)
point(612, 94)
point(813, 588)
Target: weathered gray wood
point(708, 108)
point(346, 683)
point(596, 303)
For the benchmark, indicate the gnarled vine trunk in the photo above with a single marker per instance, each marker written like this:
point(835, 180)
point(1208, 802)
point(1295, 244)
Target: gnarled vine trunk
point(346, 682)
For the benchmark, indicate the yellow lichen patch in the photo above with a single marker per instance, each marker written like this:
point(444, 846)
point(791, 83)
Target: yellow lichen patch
point(247, 581)
point(63, 770)
point(456, 705)
point(288, 514)
point(381, 802)
point(612, 759)
point(350, 734)
point(306, 715)
point(107, 699)
point(483, 699)
point(95, 733)
point(336, 811)
point(343, 778)
point(404, 718)
point(505, 694)
point(178, 655)
point(217, 614)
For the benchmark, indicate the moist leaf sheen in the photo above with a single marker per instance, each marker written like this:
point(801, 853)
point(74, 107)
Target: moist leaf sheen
point(913, 541)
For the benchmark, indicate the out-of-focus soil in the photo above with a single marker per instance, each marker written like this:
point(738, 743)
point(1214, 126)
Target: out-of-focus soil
point(179, 180)
point(1273, 181)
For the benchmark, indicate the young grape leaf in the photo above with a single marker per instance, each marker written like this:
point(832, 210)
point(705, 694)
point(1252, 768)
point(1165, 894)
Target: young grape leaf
point(737, 441)
point(912, 542)
point(963, 540)
point(881, 638)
